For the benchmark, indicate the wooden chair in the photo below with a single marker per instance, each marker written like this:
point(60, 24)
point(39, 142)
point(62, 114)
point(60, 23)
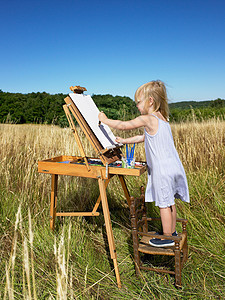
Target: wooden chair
point(141, 237)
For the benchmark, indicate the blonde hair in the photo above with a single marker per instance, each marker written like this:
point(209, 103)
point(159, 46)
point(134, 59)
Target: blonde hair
point(157, 90)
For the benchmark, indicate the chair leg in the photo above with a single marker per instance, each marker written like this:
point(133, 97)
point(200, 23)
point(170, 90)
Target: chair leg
point(185, 251)
point(137, 261)
point(177, 265)
point(185, 246)
point(137, 268)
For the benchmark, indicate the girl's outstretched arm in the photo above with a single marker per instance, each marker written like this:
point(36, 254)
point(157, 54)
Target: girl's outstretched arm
point(123, 125)
point(131, 140)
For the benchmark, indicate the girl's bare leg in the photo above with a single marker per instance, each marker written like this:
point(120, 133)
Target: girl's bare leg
point(167, 220)
point(174, 217)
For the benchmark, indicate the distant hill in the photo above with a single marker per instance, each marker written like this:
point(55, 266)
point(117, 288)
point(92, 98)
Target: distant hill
point(189, 104)
point(46, 108)
point(202, 110)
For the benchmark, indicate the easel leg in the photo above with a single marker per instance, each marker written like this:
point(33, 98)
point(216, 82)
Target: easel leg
point(108, 225)
point(53, 200)
point(124, 186)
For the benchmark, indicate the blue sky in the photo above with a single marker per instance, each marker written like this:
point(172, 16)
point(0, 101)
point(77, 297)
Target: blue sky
point(112, 47)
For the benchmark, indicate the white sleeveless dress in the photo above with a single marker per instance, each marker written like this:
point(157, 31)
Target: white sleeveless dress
point(166, 175)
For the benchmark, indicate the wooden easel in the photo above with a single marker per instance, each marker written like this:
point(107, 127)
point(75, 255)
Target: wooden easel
point(79, 166)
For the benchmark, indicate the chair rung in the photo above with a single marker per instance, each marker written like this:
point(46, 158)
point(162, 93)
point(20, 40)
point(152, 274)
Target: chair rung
point(153, 219)
point(140, 223)
point(182, 220)
point(157, 270)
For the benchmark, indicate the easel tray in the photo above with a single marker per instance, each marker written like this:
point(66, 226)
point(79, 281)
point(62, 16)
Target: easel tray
point(75, 166)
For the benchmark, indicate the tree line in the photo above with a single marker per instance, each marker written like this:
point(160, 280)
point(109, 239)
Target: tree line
point(47, 108)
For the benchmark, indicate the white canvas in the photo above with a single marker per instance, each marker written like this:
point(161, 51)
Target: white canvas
point(90, 112)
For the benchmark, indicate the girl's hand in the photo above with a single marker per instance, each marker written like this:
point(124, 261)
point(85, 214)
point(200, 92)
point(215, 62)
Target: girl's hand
point(102, 117)
point(119, 140)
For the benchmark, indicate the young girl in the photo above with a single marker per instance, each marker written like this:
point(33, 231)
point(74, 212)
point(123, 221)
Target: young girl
point(166, 176)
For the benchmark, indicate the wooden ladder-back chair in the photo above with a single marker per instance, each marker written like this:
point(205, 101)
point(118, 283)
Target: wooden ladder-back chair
point(141, 237)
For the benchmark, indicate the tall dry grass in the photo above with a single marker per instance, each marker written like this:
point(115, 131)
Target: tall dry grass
point(72, 263)
point(199, 144)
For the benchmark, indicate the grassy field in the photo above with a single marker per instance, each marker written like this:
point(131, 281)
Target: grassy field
point(73, 262)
